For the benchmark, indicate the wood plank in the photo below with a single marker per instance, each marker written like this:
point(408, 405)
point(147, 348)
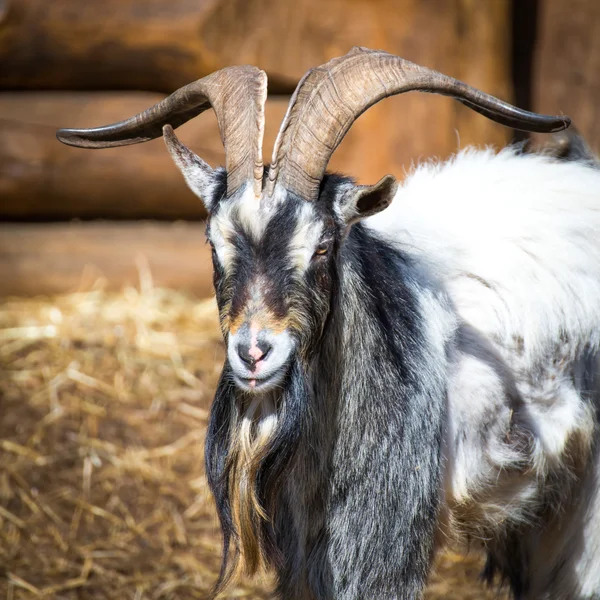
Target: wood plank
point(114, 44)
point(55, 258)
point(567, 64)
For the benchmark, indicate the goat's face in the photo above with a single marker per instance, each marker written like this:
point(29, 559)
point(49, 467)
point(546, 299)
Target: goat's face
point(274, 274)
point(275, 271)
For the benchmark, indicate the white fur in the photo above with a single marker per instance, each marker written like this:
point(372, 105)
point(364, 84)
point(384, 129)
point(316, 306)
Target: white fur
point(526, 225)
point(306, 237)
point(515, 242)
point(252, 214)
point(221, 232)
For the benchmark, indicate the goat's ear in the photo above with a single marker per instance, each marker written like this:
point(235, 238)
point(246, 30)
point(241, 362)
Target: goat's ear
point(570, 145)
point(200, 176)
point(365, 200)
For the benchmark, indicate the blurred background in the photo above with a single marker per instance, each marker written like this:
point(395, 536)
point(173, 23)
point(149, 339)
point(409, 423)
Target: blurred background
point(109, 347)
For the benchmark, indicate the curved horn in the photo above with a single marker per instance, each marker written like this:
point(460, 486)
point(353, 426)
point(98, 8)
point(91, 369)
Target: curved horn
point(331, 97)
point(237, 95)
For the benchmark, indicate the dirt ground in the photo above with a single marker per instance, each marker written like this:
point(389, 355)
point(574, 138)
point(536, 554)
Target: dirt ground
point(104, 400)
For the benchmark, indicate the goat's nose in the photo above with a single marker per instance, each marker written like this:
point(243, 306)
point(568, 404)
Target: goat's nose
point(253, 354)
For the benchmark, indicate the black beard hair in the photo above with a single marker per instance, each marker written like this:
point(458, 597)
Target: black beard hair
point(292, 413)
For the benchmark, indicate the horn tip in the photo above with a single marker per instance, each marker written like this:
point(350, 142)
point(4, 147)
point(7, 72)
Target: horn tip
point(98, 137)
point(79, 138)
point(68, 136)
point(556, 124)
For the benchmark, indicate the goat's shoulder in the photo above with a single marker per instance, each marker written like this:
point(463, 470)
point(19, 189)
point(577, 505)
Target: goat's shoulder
point(513, 238)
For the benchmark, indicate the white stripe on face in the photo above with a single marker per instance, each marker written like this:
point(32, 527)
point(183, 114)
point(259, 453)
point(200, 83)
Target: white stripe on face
point(253, 216)
point(306, 237)
point(221, 232)
point(250, 213)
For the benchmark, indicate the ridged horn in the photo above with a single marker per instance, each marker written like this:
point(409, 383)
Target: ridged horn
point(237, 95)
point(331, 97)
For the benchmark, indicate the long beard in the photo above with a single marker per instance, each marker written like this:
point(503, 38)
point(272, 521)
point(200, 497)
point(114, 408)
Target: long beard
point(250, 446)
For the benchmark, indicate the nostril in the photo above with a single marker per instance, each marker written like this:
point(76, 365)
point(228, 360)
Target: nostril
point(265, 349)
point(243, 351)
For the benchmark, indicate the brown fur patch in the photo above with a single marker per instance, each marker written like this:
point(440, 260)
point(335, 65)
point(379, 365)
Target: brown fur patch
point(253, 432)
point(261, 316)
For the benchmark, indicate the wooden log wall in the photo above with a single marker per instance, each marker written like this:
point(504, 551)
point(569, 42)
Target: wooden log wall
point(158, 46)
point(80, 63)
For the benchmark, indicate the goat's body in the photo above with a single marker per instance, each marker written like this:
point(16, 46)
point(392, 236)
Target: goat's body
point(514, 241)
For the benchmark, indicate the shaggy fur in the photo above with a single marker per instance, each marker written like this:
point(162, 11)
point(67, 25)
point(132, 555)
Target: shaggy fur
point(443, 384)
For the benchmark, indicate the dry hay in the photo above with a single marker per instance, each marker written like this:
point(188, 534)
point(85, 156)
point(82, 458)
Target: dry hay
point(104, 402)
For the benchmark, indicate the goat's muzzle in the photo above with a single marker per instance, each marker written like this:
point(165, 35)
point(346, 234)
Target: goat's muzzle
point(259, 357)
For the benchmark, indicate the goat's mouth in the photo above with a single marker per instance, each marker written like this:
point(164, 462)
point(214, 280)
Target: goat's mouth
point(262, 382)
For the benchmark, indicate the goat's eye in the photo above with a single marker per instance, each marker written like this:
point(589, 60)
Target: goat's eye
point(323, 248)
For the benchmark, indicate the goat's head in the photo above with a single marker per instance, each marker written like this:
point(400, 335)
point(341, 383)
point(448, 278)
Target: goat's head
point(276, 236)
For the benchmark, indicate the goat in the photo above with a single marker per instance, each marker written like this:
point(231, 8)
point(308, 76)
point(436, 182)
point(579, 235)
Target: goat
point(395, 379)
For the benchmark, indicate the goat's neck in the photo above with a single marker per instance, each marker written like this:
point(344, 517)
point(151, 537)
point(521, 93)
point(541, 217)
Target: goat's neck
point(376, 422)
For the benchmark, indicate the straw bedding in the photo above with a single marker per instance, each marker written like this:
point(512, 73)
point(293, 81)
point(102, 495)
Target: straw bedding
point(103, 409)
